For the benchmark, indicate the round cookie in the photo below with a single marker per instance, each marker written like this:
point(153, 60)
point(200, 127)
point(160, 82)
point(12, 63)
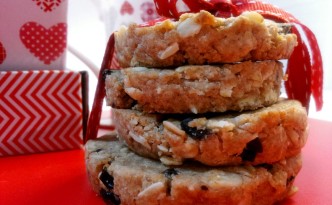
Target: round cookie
point(265, 135)
point(196, 89)
point(122, 177)
point(202, 38)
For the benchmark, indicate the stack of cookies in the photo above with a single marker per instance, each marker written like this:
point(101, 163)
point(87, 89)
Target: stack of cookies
point(198, 114)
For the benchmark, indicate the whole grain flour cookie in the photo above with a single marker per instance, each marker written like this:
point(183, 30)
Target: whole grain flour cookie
point(265, 135)
point(202, 38)
point(122, 177)
point(196, 89)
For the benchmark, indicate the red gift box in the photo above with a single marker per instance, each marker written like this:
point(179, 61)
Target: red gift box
point(42, 111)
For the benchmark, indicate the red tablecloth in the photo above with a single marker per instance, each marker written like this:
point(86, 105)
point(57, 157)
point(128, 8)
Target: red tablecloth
point(60, 177)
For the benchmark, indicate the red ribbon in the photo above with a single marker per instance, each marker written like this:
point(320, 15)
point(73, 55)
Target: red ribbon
point(95, 115)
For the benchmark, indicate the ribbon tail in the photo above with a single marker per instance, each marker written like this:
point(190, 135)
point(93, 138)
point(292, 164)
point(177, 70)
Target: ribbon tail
point(316, 68)
point(298, 84)
point(94, 119)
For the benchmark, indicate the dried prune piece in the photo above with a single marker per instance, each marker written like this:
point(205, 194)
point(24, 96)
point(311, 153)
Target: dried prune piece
point(106, 73)
point(290, 180)
point(170, 172)
point(97, 150)
point(204, 188)
point(109, 197)
point(268, 167)
point(193, 132)
point(252, 148)
point(107, 179)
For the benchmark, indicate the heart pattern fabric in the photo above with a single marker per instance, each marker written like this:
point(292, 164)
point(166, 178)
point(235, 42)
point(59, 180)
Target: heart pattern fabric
point(48, 5)
point(45, 44)
point(36, 39)
point(124, 12)
point(126, 8)
point(2, 53)
point(146, 10)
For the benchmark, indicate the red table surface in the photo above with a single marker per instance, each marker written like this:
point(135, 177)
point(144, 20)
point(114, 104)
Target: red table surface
point(60, 177)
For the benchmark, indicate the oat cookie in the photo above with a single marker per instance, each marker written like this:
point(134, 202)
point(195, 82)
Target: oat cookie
point(122, 177)
point(265, 135)
point(196, 89)
point(202, 38)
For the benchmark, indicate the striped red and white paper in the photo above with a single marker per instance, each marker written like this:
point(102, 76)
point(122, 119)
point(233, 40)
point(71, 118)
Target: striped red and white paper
point(40, 111)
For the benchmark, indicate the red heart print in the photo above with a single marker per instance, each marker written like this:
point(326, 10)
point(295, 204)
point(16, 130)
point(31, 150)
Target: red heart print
point(149, 12)
point(48, 5)
point(126, 8)
point(46, 44)
point(2, 53)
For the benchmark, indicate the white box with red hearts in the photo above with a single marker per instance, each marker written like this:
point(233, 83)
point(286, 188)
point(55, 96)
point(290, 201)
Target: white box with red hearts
point(33, 34)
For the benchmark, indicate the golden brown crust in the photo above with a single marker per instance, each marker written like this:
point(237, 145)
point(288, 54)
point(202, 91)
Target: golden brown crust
point(202, 39)
point(265, 135)
point(137, 181)
point(196, 89)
